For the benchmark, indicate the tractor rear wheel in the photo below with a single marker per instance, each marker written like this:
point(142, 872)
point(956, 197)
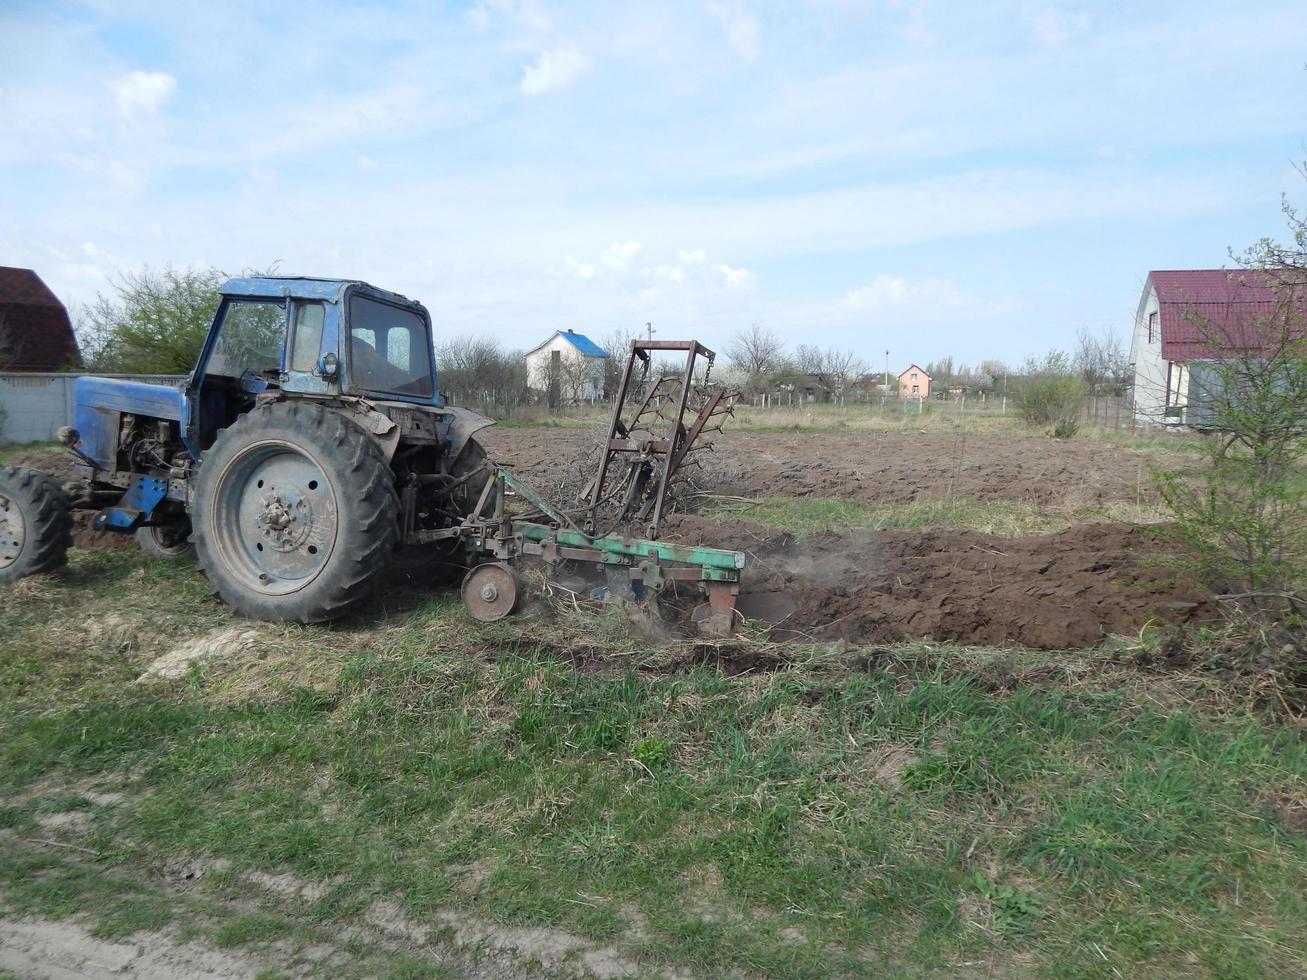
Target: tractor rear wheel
point(295, 514)
point(36, 529)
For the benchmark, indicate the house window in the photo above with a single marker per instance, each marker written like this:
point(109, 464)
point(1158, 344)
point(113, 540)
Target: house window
point(914, 377)
point(1152, 326)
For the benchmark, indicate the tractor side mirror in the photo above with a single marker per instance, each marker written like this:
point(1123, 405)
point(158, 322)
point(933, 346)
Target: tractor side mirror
point(329, 365)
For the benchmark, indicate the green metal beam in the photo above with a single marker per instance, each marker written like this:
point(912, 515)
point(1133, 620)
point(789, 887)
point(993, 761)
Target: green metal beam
point(706, 558)
point(715, 564)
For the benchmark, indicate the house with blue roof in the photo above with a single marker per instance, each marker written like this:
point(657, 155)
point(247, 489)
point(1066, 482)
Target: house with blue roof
point(574, 359)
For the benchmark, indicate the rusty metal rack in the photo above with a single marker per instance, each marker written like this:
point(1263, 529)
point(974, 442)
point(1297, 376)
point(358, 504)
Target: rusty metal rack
point(657, 423)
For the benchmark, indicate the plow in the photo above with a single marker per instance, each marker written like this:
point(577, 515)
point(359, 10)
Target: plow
point(310, 456)
point(659, 424)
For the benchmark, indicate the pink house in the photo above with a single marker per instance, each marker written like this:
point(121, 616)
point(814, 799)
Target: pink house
point(914, 383)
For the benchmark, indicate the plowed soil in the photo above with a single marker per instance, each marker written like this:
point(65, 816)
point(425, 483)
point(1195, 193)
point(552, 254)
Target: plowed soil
point(1063, 590)
point(1055, 591)
point(877, 467)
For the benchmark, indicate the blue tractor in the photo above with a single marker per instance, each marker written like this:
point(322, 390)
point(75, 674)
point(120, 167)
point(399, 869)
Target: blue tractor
point(309, 454)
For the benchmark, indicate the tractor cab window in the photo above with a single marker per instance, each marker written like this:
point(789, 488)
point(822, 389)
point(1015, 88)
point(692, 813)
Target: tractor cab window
point(389, 348)
point(307, 341)
point(250, 339)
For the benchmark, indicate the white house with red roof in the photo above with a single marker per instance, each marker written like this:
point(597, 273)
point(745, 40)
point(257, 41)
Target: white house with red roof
point(1185, 318)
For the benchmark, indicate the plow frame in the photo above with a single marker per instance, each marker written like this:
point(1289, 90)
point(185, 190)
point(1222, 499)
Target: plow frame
point(555, 538)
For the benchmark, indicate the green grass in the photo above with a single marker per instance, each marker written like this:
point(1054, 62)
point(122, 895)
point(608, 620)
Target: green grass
point(11, 451)
point(912, 811)
point(1006, 518)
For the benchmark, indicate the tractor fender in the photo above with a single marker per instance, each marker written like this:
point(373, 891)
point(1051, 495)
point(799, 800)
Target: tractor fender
point(463, 425)
point(380, 427)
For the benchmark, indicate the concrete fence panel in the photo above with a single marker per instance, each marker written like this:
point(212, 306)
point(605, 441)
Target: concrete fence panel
point(34, 406)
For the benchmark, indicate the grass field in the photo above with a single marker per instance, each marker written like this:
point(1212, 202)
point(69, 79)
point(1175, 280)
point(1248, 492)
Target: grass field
point(417, 795)
point(1004, 518)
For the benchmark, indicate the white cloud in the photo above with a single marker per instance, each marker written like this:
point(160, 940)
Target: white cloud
point(554, 70)
point(921, 299)
point(667, 273)
point(692, 256)
point(735, 278)
point(581, 269)
point(740, 26)
point(143, 91)
point(886, 291)
point(619, 253)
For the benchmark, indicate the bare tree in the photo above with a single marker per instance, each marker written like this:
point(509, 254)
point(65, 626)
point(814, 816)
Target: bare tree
point(580, 376)
point(1099, 359)
point(843, 368)
point(757, 353)
point(941, 371)
point(834, 369)
point(477, 370)
point(617, 345)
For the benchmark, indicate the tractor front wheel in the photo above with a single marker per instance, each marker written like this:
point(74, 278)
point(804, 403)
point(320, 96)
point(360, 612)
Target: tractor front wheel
point(36, 529)
point(295, 514)
point(171, 541)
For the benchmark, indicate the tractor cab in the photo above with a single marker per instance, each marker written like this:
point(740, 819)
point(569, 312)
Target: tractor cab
point(314, 337)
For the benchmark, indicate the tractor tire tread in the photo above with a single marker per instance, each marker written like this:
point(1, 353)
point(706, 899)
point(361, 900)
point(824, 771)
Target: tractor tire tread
point(48, 516)
point(368, 514)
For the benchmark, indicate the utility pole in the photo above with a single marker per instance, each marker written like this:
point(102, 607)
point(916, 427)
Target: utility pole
point(649, 330)
point(887, 369)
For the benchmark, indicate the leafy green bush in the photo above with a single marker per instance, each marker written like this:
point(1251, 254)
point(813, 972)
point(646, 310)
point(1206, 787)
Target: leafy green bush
point(1053, 394)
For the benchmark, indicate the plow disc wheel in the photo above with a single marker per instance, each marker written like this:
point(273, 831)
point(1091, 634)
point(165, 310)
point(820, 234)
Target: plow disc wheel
point(490, 592)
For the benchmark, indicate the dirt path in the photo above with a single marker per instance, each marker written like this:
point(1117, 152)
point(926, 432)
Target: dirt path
point(37, 948)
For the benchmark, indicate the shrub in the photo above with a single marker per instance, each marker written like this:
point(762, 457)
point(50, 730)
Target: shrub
point(1065, 428)
point(1053, 394)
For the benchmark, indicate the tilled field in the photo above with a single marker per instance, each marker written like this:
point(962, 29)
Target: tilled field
point(1062, 590)
point(876, 467)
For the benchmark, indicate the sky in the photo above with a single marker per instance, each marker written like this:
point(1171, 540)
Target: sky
point(927, 178)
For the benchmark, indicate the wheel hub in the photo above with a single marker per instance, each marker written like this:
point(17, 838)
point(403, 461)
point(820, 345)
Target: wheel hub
point(490, 592)
point(287, 519)
point(278, 525)
point(13, 531)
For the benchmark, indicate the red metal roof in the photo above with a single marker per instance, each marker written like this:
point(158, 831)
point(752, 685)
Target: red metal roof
point(37, 335)
point(1208, 314)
